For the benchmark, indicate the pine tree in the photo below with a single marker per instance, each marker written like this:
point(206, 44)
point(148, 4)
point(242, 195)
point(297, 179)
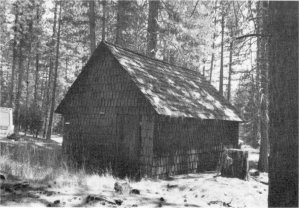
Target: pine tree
point(152, 29)
point(262, 60)
point(14, 56)
point(104, 20)
point(49, 132)
point(92, 26)
point(222, 46)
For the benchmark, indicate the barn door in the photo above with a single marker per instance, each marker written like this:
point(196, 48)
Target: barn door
point(128, 144)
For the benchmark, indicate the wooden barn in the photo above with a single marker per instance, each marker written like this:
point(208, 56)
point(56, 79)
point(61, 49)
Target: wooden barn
point(140, 116)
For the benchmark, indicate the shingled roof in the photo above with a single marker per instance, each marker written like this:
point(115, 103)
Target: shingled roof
point(172, 90)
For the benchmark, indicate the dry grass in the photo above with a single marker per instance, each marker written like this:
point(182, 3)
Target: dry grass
point(41, 162)
point(29, 160)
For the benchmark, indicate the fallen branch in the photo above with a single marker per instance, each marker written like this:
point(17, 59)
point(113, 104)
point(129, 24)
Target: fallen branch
point(251, 35)
point(91, 198)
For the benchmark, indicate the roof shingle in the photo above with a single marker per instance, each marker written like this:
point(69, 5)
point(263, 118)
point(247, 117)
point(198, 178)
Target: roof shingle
point(172, 90)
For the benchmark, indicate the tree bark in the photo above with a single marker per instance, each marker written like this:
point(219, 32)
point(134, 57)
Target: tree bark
point(49, 132)
point(27, 85)
point(263, 159)
point(47, 99)
point(14, 57)
point(1, 78)
point(230, 67)
point(92, 26)
point(221, 55)
point(213, 45)
point(1, 75)
point(283, 103)
point(47, 102)
point(152, 28)
point(36, 66)
point(20, 86)
point(257, 95)
point(27, 94)
point(23, 45)
point(104, 20)
point(122, 21)
point(120, 14)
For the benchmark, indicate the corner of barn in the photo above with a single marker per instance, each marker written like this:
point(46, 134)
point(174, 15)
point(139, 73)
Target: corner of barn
point(111, 124)
point(104, 115)
point(189, 145)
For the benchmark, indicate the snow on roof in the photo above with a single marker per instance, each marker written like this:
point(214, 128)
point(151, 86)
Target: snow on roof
point(172, 90)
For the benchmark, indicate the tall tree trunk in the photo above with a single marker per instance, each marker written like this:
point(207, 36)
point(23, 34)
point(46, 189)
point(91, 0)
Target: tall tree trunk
point(213, 45)
point(49, 132)
point(257, 119)
point(122, 21)
point(50, 74)
point(212, 62)
point(47, 98)
point(22, 45)
point(1, 78)
point(20, 86)
point(92, 26)
point(221, 55)
point(152, 28)
point(36, 79)
point(104, 20)
point(43, 89)
point(66, 69)
point(230, 68)
point(27, 88)
point(1, 75)
point(27, 95)
point(120, 14)
point(283, 104)
point(14, 57)
point(263, 159)
point(36, 65)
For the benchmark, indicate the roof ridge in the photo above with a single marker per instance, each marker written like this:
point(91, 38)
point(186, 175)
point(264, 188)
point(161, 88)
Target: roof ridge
point(154, 59)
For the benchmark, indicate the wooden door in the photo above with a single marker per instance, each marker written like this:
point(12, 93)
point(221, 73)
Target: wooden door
point(128, 144)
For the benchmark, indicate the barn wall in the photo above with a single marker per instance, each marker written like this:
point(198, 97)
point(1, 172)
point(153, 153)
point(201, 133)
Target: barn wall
point(190, 145)
point(104, 111)
point(147, 138)
point(110, 125)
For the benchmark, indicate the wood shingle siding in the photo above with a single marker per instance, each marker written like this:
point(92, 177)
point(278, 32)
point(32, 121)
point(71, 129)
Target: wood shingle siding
point(114, 118)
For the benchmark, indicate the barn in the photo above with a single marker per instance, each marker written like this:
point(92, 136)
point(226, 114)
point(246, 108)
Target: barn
point(139, 116)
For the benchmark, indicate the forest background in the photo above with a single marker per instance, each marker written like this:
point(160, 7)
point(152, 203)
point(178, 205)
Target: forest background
point(45, 44)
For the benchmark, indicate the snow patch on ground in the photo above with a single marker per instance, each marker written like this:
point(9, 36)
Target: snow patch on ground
point(57, 138)
point(191, 190)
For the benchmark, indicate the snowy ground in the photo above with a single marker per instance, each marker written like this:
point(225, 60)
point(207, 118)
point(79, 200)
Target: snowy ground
point(192, 190)
point(57, 138)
